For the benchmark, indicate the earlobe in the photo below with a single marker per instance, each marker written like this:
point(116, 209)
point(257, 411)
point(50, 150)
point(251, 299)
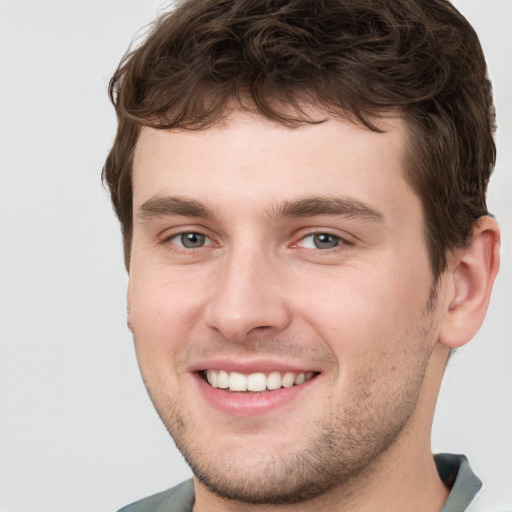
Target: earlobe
point(468, 283)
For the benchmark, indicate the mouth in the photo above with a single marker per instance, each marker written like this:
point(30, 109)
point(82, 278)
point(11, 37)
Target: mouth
point(258, 382)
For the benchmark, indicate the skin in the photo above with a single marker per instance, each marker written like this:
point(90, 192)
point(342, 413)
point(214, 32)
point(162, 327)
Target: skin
point(357, 311)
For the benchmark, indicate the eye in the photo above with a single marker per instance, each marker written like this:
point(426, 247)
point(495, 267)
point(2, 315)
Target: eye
point(190, 240)
point(321, 241)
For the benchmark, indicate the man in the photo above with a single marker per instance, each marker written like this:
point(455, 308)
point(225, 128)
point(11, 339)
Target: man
point(301, 188)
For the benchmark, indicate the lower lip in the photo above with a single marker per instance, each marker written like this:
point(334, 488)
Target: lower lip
point(249, 404)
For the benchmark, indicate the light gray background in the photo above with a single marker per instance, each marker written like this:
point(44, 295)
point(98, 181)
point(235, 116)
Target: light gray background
point(77, 432)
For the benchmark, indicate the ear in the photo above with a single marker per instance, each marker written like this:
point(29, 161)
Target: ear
point(467, 284)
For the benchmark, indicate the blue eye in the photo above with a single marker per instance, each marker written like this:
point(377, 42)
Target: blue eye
point(190, 240)
point(321, 241)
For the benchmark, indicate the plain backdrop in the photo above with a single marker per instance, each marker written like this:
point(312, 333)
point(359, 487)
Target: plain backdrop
point(77, 431)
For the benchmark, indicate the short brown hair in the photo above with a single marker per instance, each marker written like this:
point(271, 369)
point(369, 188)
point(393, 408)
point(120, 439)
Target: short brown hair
point(356, 59)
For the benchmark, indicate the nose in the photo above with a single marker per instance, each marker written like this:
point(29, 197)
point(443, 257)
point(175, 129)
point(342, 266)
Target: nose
point(248, 300)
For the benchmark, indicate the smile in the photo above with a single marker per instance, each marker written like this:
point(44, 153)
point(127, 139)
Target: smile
point(255, 382)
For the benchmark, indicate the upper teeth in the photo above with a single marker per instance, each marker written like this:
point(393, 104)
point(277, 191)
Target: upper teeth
point(235, 381)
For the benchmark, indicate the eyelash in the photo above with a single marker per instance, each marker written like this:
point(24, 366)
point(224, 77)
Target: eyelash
point(168, 240)
point(342, 243)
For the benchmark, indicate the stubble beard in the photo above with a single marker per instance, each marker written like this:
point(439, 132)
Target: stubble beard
point(343, 446)
point(332, 457)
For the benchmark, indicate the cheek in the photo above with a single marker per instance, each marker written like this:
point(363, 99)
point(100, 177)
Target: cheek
point(162, 311)
point(357, 312)
point(378, 332)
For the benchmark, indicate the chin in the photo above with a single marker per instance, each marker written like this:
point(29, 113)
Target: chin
point(286, 471)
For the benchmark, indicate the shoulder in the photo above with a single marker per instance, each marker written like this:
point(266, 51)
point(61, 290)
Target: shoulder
point(176, 499)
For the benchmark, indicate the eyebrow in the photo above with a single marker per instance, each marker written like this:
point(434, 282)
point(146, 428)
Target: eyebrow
point(306, 207)
point(174, 205)
point(310, 207)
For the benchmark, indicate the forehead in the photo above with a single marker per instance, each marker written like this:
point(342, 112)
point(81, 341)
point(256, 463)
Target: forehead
point(249, 158)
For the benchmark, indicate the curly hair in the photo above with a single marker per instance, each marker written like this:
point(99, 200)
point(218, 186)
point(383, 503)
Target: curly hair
point(351, 59)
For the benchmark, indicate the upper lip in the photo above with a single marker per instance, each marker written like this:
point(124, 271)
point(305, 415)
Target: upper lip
point(251, 366)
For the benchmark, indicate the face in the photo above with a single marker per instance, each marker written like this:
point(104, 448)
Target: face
point(279, 299)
